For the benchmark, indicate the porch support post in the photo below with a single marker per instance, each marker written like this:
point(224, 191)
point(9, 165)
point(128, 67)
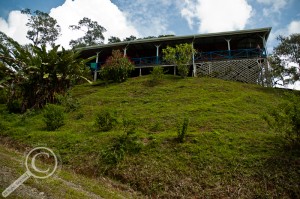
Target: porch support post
point(264, 43)
point(194, 65)
point(140, 71)
point(228, 47)
point(125, 51)
point(95, 71)
point(157, 53)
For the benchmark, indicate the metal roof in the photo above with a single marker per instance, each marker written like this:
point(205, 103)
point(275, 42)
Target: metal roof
point(261, 31)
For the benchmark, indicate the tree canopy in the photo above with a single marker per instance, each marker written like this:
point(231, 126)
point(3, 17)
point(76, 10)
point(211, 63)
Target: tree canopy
point(33, 75)
point(43, 29)
point(285, 61)
point(93, 33)
point(131, 38)
point(180, 56)
point(113, 39)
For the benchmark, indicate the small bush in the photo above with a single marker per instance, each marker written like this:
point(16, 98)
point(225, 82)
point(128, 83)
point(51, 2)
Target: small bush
point(182, 130)
point(117, 67)
point(157, 75)
point(53, 117)
point(285, 119)
point(105, 120)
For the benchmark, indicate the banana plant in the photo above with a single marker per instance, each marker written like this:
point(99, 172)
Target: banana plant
point(35, 74)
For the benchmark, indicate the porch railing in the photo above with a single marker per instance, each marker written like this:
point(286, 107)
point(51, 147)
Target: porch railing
point(199, 56)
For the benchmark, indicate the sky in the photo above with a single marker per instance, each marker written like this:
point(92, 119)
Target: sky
point(142, 18)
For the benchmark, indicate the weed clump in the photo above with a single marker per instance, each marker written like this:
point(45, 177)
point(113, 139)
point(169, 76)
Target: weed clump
point(182, 130)
point(106, 120)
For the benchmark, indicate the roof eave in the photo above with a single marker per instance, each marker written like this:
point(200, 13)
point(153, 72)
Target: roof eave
point(267, 31)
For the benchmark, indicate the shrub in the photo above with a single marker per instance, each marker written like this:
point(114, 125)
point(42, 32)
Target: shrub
point(105, 120)
point(285, 119)
point(182, 130)
point(180, 56)
point(53, 116)
point(117, 67)
point(157, 74)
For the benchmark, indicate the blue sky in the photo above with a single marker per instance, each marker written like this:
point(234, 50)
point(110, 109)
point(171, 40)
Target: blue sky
point(142, 18)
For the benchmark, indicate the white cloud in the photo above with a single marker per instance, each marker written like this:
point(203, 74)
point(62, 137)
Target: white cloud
point(152, 17)
point(217, 15)
point(188, 12)
point(274, 6)
point(104, 12)
point(15, 26)
point(293, 27)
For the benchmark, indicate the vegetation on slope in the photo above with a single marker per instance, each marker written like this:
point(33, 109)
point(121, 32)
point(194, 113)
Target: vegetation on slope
point(228, 151)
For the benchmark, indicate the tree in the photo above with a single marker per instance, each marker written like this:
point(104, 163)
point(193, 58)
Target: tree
point(180, 56)
point(149, 37)
point(43, 29)
point(113, 39)
point(93, 33)
point(165, 36)
point(284, 55)
point(34, 75)
point(117, 67)
point(131, 38)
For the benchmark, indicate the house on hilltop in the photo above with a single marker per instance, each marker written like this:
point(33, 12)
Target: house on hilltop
point(234, 55)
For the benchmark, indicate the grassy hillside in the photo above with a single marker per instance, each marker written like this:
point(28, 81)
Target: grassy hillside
point(64, 184)
point(229, 150)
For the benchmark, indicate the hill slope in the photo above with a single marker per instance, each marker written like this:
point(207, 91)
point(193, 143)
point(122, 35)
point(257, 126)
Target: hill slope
point(229, 150)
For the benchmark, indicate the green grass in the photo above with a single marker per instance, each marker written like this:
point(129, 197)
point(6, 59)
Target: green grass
point(229, 150)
